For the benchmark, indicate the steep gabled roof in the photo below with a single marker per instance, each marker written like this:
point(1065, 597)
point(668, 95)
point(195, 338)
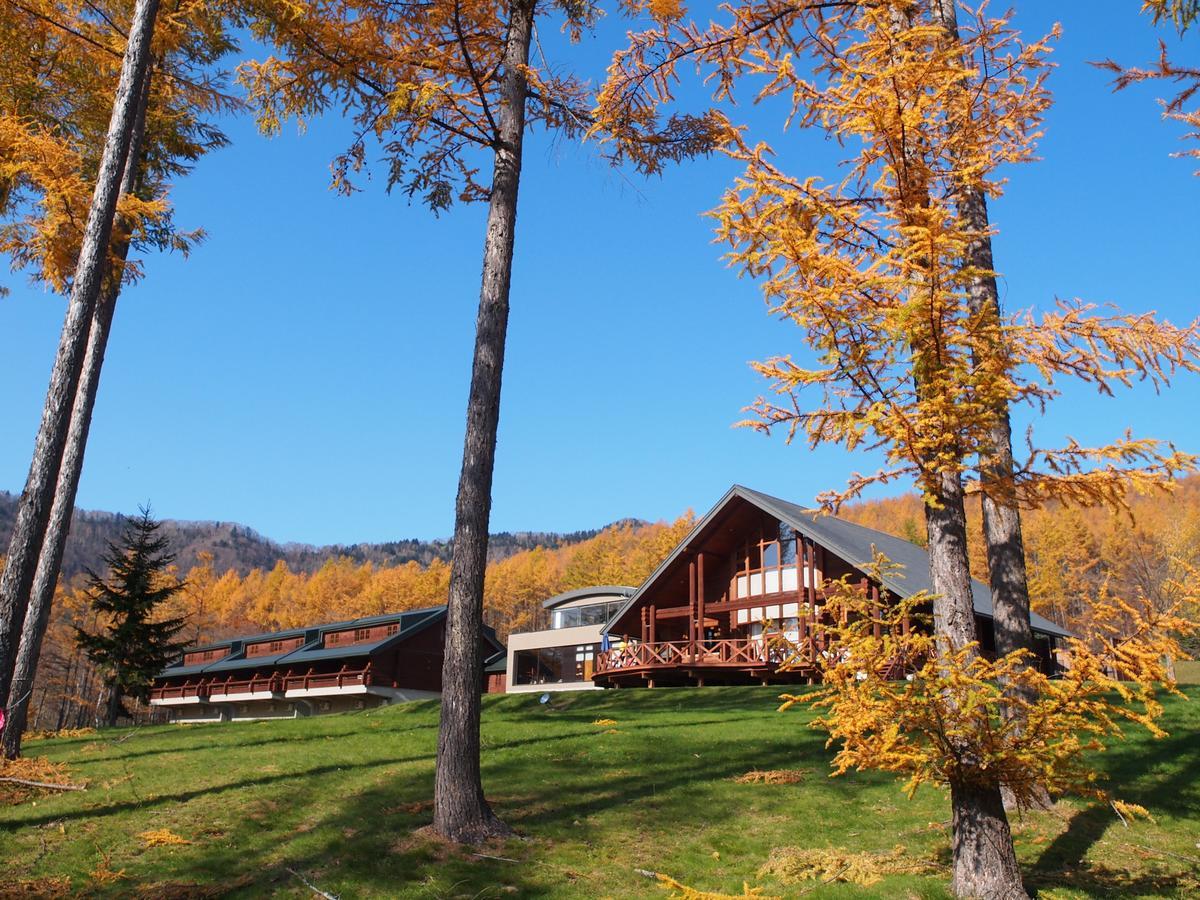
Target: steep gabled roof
point(855, 544)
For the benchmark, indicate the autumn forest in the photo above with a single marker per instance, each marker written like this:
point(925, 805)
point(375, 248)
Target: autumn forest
point(958, 276)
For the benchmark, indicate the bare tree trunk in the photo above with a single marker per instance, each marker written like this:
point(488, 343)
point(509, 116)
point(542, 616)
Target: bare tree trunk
point(949, 570)
point(112, 706)
point(37, 616)
point(1001, 516)
point(460, 811)
point(985, 864)
point(33, 512)
point(1007, 575)
point(984, 860)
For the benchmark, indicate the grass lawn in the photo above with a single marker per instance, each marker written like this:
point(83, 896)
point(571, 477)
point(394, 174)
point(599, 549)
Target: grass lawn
point(340, 800)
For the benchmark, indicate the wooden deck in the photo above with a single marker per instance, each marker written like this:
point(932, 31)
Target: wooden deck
point(729, 660)
point(217, 690)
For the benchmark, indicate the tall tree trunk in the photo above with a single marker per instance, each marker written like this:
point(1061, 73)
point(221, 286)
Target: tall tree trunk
point(985, 864)
point(1001, 515)
point(460, 811)
point(112, 706)
point(33, 512)
point(984, 860)
point(37, 616)
point(1007, 575)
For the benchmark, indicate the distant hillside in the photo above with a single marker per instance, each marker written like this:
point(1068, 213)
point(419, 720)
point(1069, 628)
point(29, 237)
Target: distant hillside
point(241, 548)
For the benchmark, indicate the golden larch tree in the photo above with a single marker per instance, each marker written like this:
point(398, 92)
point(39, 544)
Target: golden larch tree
point(875, 267)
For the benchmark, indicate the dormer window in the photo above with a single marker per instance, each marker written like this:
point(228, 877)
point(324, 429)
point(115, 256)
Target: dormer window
point(392, 629)
point(362, 634)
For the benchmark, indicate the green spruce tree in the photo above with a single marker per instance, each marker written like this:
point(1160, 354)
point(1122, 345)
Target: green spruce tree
point(136, 644)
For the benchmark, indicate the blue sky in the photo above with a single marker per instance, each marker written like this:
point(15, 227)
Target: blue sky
point(305, 371)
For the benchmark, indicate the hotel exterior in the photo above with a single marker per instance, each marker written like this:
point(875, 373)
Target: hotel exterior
point(342, 666)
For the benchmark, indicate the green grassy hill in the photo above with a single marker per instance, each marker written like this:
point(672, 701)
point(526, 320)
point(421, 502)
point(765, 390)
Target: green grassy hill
point(340, 801)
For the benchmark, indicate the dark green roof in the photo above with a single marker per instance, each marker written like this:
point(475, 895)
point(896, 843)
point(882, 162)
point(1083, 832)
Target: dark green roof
point(410, 621)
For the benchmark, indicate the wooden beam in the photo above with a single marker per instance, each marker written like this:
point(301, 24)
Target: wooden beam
point(700, 597)
point(876, 612)
point(692, 606)
point(652, 619)
point(713, 609)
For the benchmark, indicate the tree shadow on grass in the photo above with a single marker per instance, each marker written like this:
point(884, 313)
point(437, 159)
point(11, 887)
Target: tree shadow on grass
point(299, 774)
point(1160, 775)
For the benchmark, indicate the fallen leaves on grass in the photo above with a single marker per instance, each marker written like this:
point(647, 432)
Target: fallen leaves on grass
point(30, 768)
point(793, 864)
point(182, 890)
point(37, 888)
point(64, 733)
point(773, 776)
point(104, 873)
point(683, 892)
point(605, 723)
point(413, 809)
point(162, 837)
point(1127, 811)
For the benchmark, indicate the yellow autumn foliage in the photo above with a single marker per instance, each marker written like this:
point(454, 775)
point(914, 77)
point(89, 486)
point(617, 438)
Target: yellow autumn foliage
point(684, 892)
point(946, 723)
point(161, 837)
point(830, 864)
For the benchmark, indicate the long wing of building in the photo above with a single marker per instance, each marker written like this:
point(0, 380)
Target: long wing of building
point(334, 667)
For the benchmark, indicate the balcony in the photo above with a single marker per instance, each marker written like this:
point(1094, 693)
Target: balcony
point(751, 656)
point(325, 684)
point(179, 694)
point(258, 687)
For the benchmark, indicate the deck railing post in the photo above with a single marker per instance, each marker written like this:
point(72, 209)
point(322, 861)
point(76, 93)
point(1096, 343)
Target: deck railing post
point(692, 607)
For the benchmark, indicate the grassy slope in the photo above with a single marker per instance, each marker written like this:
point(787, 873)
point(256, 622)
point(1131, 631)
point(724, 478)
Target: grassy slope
point(338, 799)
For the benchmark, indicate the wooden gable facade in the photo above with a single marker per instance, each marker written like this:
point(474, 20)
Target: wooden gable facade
point(745, 591)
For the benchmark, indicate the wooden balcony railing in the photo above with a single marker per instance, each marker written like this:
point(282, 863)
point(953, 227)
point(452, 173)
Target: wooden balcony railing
point(257, 684)
point(179, 691)
point(752, 653)
point(216, 690)
point(343, 678)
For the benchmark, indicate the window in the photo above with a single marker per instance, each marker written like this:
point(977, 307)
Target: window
point(567, 618)
point(593, 614)
point(362, 634)
point(787, 541)
point(554, 665)
point(334, 638)
point(394, 628)
point(276, 646)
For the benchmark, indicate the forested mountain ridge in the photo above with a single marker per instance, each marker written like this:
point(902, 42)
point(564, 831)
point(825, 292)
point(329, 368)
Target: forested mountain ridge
point(241, 548)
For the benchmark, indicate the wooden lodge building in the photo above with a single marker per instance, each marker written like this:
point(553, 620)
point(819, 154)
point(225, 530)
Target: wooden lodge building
point(751, 570)
point(338, 667)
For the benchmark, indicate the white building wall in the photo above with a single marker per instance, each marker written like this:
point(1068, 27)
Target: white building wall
point(556, 637)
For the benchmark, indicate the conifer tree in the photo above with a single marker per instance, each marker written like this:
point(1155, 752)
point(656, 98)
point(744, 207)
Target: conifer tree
point(33, 513)
point(876, 267)
point(135, 644)
point(1182, 15)
point(448, 90)
point(53, 134)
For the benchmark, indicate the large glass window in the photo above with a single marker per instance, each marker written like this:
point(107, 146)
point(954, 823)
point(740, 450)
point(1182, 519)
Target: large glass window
point(554, 665)
point(787, 540)
point(594, 614)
